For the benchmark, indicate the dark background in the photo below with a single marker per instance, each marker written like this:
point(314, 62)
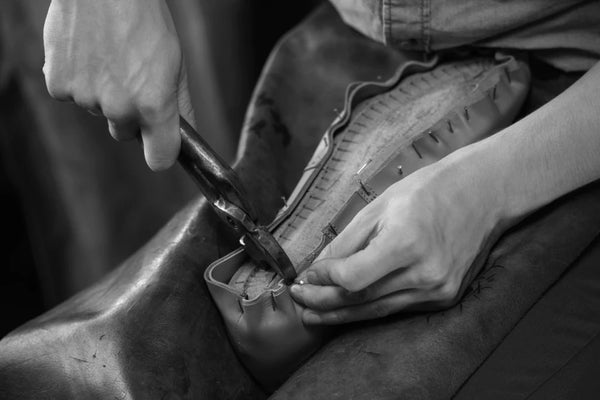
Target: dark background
point(56, 161)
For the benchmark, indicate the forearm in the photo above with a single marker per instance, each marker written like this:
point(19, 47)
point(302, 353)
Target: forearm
point(551, 152)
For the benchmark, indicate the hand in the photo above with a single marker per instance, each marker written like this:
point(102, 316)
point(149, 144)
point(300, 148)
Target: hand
point(412, 248)
point(121, 58)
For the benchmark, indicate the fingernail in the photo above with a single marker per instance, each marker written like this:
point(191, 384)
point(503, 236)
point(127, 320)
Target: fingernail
point(296, 289)
point(310, 317)
point(311, 277)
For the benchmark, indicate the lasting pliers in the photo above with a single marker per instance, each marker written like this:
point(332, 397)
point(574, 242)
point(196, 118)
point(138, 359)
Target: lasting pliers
point(224, 191)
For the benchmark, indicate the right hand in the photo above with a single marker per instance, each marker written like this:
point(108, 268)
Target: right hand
point(121, 58)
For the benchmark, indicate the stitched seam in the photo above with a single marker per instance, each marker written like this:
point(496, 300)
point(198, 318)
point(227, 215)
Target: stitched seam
point(425, 7)
point(422, 12)
point(386, 20)
point(428, 27)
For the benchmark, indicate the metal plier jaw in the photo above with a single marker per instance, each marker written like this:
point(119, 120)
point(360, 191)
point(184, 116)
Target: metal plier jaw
point(224, 191)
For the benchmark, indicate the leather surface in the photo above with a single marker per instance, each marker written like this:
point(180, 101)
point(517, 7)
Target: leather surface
point(554, 351)
point(150, 330)
point(551, 353)
point(429, 356)
point(146, 331)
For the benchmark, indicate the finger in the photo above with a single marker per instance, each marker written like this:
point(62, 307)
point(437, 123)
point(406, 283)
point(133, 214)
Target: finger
point(352, 273)
point(415, 276)
point(332, 297)
point(362, 268)
point(184, 101)
point(352, 239)
point(88, 103)
point(393, 303)
point(327, 297)
point(123, 131)
point(96, 112)
point(58, 87)
point(161, 139)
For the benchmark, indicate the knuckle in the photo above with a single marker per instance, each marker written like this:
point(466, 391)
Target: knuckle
point(346, 278)
point(359, 296)
point(318, 304)
point(380, 310)
point(433, 274)
point(311, 302)
point(151, 108)
point(411, 246)
point(335, 317)
point(315, 302)
point(327, 304)
point(414, 244)
point(448, 294)
point(118, 110)
point(120, 132)
point(86, 101)
point(56, 88)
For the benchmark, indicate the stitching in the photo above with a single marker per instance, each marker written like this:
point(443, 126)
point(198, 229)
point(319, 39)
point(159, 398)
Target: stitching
point(386, 21)
point(422, 11)
point(425, 7)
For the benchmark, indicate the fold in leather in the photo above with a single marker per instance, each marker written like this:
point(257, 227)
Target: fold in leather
point(444, 106)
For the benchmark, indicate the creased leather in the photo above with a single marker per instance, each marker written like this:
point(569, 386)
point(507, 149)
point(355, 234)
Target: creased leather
point(149, 330)
point(266, 329)
point(153, 326)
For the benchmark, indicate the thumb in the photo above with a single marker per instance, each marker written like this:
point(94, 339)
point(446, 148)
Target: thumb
point(331, 267)
point(184, 101)
point(161, 139)
point(322, 272)
point(352, 238)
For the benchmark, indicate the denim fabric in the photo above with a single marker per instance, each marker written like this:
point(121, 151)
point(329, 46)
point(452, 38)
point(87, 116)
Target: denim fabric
point(563, 33)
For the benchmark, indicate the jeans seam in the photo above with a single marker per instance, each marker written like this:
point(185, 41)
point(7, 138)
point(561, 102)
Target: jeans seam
point(386, 21)
point(426, 25)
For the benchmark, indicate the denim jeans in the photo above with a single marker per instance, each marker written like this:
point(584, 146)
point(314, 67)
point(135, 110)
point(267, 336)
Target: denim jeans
point(563, 33)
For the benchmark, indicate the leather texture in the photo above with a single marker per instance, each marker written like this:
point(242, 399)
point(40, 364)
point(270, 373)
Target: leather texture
point(386, 130)
point(431, 355)
point(150, 329)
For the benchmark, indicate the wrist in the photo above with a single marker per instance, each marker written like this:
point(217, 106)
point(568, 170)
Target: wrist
point(473, 179)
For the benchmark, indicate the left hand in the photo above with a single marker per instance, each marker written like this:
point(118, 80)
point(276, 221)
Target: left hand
point(411, 248)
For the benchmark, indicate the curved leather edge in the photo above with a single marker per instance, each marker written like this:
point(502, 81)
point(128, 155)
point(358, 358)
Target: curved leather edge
point(355, 93)
point(267, 331)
